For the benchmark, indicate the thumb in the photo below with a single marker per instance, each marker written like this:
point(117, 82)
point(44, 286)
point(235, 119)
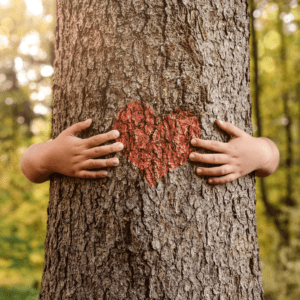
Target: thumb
point(78, 127)
point(230, 128)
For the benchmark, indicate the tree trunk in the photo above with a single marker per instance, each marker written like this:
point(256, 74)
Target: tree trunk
point(257, 90)
point(153, 229)
point(298, 102)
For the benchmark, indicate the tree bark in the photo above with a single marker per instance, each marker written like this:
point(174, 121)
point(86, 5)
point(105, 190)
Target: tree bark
point(135, 234)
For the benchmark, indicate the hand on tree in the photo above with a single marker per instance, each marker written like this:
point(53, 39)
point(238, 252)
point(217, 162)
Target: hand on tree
point(240, 156)
point(70, 155)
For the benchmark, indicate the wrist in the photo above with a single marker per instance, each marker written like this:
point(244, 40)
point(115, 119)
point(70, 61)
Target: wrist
point(45, 159)
point(33, 164)
point(269, 157)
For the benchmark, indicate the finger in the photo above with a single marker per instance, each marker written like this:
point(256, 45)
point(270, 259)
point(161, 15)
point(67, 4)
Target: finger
point(91, 174)
point(230, 128)
point(210, 158)
point(211, 145)
point(100, 163)
point(216, 171)
point(101, 138)
point(78, 127)
point(104, 150)
point(224, 179)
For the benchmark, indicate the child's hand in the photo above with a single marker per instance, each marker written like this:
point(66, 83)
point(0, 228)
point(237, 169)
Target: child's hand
point(74, 156)
point(240, 156)
point(70, 155)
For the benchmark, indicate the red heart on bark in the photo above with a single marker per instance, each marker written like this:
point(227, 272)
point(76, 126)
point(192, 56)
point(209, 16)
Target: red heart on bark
point(156, 147)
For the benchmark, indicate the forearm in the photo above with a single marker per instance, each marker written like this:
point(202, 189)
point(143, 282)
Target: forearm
point(270, 158)
point(33, 164)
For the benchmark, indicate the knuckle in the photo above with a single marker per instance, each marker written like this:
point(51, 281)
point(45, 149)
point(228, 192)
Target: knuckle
point(213, 144)
point(218, 180)
point(92, 164)
point(214, 159)
point(109, 135)
point(235, 151)
point(98, 151)
point(197, 158)
point(104, 163)
point(79, 149)
point(231, 148)
point(229, 179)
point(98, 139)
point(198, 142)
point(109, 162)
point(231, 161)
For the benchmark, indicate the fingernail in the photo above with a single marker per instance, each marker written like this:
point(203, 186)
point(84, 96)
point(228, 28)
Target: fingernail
point(88, 121)
point(120, 146)
point(104, 173)
point(115, 161)
point(192, 155)
point(193, 142)
point(220, 121)
point(210, 181)
point(199, 171)
point(116, 133)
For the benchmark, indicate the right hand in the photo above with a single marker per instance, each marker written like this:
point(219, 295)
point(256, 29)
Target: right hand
point(73, 156)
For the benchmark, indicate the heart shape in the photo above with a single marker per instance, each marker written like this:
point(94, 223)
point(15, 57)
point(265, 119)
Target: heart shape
point(156, 147)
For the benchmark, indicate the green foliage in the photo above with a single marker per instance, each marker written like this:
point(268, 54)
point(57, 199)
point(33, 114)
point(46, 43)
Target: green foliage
point(23, 205)
point(18, 293)
point(278, 35)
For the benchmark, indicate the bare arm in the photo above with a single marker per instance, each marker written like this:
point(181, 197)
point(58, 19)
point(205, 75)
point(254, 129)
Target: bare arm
point(271, 158)
point(33, 164)
point(71, 156)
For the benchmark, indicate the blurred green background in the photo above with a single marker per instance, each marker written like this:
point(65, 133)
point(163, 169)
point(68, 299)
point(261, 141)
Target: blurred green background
point(26, 59)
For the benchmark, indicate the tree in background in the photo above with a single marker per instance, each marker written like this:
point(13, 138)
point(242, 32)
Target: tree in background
point(274, 59)
point(25, 100)
point(142, 233)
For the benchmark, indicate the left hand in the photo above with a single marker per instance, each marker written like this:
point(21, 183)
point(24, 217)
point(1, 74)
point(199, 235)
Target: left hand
point(240, 156)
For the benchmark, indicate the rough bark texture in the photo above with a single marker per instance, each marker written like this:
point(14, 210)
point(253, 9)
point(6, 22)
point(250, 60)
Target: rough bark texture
point(120, 238)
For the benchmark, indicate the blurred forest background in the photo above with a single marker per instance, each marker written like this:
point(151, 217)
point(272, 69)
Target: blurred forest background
point(26, 59)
